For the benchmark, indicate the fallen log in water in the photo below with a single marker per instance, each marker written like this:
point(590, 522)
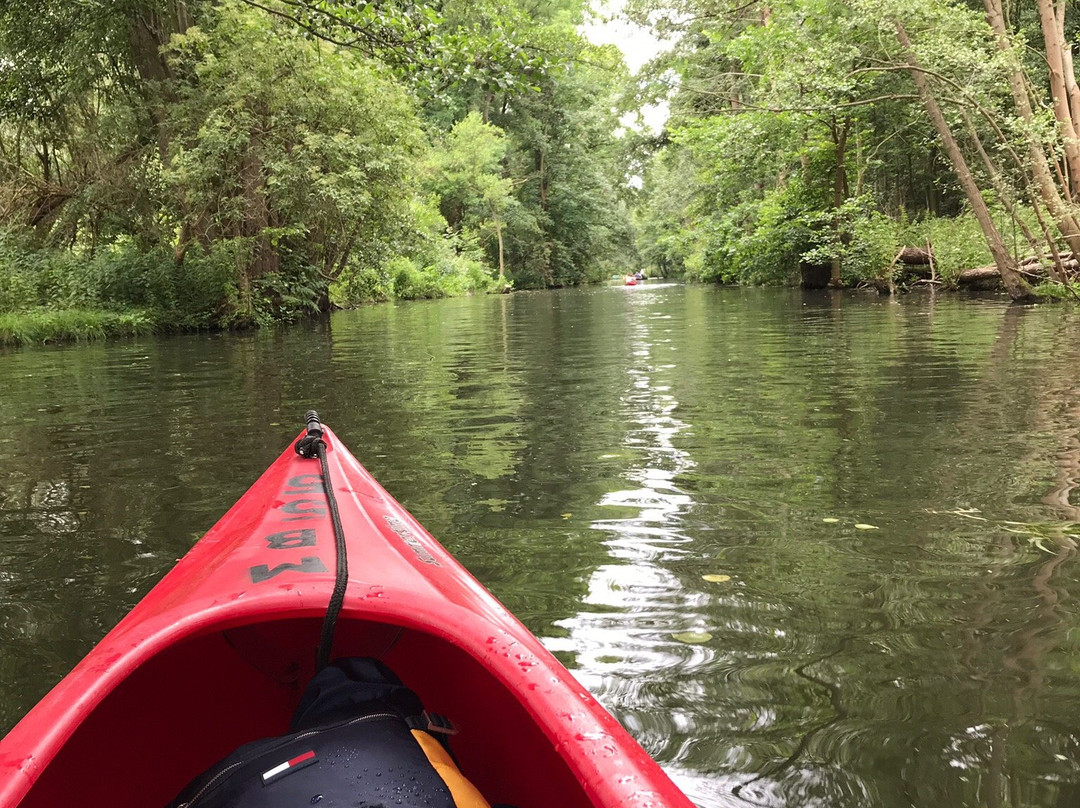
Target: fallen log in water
point(911, 264)
point(1033, 265)
point(980, 279)
point(915, 255)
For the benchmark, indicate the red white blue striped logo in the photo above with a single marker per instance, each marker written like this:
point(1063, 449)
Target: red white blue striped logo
point(288, 767)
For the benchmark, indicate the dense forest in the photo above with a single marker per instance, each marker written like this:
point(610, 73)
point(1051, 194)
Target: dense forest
point(194, 163)
point(227, 163)
point(828, 137)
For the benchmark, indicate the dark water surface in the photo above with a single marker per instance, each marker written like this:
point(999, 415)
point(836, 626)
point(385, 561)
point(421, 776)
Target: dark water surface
point(591, 455)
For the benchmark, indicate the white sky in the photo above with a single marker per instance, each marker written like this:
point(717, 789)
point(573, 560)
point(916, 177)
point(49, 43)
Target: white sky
point(638, 45)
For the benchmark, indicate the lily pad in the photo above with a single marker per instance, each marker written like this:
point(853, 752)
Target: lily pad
point(864, 526)
point(693, 637)
point(716, 579)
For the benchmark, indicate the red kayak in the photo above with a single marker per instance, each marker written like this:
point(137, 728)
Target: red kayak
point(218, 653)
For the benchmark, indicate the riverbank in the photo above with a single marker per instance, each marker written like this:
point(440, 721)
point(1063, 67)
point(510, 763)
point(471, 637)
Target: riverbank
point(53, 296)
point(43, 326)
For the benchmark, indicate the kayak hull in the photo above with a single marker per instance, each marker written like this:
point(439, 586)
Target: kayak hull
point(217, 654)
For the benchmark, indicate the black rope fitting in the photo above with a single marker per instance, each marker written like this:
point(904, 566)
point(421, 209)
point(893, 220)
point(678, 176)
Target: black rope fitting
point(313, 446)
point(309, 445)
point(306, 446)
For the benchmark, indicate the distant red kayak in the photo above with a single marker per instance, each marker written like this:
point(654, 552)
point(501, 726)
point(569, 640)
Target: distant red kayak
point(217, 654)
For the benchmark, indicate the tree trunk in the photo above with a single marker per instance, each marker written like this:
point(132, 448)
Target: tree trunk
point(499, 237)
point(252, 227)
point(840, 189)
point(541, 169)
point(1063, 218)
point(148, 31)
point(1016, 286)
point(1054, 38)
point(1038, 246)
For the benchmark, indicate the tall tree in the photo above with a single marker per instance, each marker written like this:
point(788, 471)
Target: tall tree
point(1047, 189)
point(468, 179)
point(292, 155)
point(1017, 287)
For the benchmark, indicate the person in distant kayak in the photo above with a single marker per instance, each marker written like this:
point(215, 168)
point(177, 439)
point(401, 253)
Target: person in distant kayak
point(359, 737)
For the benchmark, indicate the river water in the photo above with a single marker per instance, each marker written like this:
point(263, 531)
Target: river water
point(878, 492)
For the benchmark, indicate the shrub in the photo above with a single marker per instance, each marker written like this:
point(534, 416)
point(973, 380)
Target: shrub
point(412, 283)
point(958, 243)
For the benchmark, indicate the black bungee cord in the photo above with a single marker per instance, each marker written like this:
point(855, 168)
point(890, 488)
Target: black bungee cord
point(310, 446)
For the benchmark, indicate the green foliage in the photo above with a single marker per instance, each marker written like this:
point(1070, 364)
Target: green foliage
point(185, 296)
point(797, 136)
point(71, 325)
point(366, 285)
point(237, 163)
point(287, 295)
point(300, 154)
point(667, 229)
point(466, 174)
point(564, 221)
point(770, 250)
point(572, 225)
point(121, 277)
point(435, 263)
point(1057, 291)
point(874, 241)
point(958, 243)
point(410, 282)
point(862, 238)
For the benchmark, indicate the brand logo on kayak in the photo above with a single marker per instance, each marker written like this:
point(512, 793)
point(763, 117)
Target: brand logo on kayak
point(305, 507)
point(407, 536)
point(263, 572)
point(300, 507)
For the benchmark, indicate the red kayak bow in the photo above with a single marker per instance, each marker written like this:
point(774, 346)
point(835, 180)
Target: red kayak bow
point(217, 654)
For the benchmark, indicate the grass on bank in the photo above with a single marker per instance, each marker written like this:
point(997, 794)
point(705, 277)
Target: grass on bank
point(40, 326)
point(48, 294)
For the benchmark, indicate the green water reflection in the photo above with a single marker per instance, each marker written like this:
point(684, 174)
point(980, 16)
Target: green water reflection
point(590, 455)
